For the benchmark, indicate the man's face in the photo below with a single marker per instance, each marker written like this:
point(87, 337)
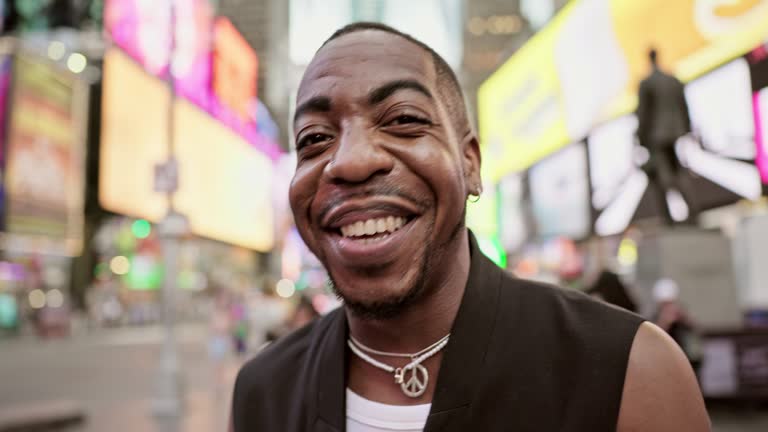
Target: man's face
point(382, 175)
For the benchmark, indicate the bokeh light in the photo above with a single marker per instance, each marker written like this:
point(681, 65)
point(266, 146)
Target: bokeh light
point(56, 50)
point(37, 299)
point(141, 228)
point(120, 265)
point(54, 298)
point(285, 288)
point(77, 62)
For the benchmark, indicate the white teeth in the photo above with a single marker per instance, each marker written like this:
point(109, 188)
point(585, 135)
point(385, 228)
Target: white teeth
point(370, 227)
point(373, 226)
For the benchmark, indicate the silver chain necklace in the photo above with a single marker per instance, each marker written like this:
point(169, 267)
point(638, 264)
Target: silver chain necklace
point(417, 381)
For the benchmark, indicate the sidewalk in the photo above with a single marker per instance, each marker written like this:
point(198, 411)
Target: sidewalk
point(41, 416)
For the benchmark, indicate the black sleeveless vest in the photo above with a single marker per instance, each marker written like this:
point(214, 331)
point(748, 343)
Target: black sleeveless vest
point(523, 357)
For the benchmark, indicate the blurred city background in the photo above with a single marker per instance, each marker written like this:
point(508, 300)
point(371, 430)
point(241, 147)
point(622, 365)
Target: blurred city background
point(146, 244)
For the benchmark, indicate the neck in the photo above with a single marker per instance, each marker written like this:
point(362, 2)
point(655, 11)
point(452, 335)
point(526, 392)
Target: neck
point(431, 318)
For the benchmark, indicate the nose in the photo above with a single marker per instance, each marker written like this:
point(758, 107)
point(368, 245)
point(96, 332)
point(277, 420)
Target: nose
point(358, 157)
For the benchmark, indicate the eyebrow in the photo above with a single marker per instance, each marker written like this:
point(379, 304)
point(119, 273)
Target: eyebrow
point(380, 94)
point(317, 104)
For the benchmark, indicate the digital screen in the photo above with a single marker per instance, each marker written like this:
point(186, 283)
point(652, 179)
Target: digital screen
point(720, 108)
point(618, 183)
point(141, 28)
point(513, 223)
point(760, 106)
point(560, 194)
point(45, 163)
point(724, 152)
point(192, 51)
point(585, 66)
point(758, 67)
point(225, 185)
point(235, 70)
point(313, 21)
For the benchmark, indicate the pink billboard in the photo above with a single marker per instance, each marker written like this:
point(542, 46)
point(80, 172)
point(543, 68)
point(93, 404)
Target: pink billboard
point(760, 104)
point(141, 28)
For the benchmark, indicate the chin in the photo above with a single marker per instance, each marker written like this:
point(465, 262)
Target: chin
point(380, 299)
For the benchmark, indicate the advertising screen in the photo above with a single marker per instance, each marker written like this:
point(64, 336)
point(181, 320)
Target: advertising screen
point(514, 225)
point(559, 188)
point(141, 29)
point(618, 183)
point(235, 70)
point(758, 68)
point(721, 110)
point(438, 23)
point(192, 51)
point(720, 107)
point(224, 183)
point(45, 164)
point(760, 107)
point(585, 67)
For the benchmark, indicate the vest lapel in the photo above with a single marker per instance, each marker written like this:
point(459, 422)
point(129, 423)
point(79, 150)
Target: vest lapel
point(328, 378)
point(462, 364)
point(460, 371)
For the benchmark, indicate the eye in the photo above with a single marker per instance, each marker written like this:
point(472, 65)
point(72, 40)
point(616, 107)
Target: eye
point(310, 139)
point(406, 119)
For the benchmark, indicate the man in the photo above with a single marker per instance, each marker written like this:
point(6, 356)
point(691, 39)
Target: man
point(663, 117)
point(432, 336)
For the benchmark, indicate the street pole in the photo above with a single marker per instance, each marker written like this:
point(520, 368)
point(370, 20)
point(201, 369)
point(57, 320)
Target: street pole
point(168, 402)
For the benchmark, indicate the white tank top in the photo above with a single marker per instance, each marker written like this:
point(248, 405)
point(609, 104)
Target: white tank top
point(364, 415)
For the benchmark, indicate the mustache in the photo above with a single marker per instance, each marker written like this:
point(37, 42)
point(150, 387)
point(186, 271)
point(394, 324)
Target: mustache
point(379, 190)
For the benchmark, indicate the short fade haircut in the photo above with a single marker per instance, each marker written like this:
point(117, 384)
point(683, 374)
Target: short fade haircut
point(447, 82)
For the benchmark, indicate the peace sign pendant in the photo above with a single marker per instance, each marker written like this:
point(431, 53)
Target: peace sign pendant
point(415, 384)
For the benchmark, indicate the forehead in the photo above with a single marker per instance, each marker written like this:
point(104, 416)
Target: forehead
point(362, 60)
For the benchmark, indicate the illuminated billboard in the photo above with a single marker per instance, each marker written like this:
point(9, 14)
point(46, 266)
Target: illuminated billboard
point(584, 68)
point(141, 28)
point(45, 161)
point(213, 65)
point(235, 69)
point(224, 183)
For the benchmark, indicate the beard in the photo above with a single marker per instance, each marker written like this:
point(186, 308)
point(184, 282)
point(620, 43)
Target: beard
point(392, 306)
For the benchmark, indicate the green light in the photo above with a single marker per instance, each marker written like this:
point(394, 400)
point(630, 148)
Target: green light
point(101, 269)
point(146, 273)
point(9, 311)
point(491, 247)
point(141, 228)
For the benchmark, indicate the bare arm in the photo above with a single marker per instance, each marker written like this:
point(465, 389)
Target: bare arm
point(661, 393)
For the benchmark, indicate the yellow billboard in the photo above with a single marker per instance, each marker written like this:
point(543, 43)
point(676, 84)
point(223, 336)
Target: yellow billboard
point(225, 185)
point(585, 67)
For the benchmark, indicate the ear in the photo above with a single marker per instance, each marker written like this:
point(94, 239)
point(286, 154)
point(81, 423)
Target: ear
point(471, 163)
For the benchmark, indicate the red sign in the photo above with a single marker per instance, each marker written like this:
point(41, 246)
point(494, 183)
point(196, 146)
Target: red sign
point(235, 69)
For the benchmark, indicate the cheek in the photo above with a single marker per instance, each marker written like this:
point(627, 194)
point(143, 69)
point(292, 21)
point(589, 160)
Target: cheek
point(301, 196)
point(440, 170)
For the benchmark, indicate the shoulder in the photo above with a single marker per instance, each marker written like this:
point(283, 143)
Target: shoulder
point(568, 304)
point(278, 362)
point(660, 380)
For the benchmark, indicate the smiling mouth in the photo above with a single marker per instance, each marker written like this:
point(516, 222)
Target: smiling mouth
point(373, 227)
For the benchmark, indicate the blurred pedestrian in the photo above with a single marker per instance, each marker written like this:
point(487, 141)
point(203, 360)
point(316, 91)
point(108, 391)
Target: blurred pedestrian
point(432, 335)
point(239, 325)
point(609, 288)
point(304, 313)
point(671, 317)
point(662, 112)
